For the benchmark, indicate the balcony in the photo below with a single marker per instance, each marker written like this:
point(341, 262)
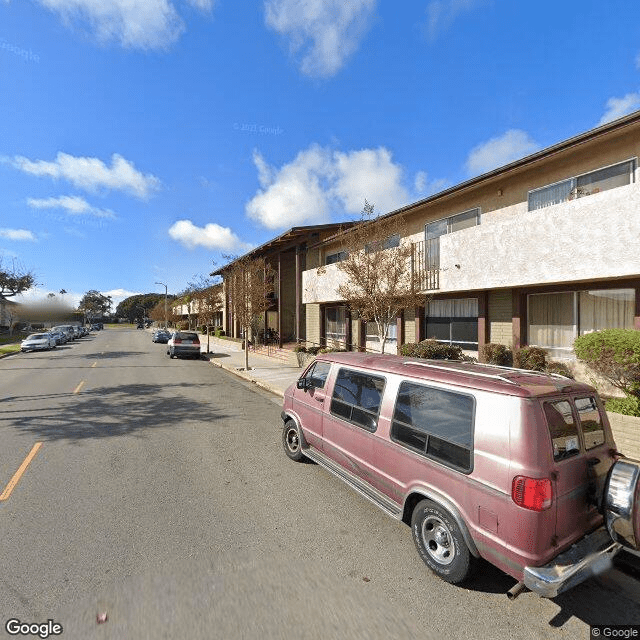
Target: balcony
point(585, 239)
point(321, 284)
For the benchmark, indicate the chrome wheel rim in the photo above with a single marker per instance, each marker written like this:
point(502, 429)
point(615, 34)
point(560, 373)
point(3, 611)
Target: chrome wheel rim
point(438, 541)
point(293, 442)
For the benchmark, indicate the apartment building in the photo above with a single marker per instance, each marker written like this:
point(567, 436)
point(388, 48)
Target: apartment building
point(8, 312)
point(537, 252)
point(285, 319)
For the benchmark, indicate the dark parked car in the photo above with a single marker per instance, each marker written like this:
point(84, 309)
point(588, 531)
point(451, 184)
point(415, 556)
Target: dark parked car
point(161, 336)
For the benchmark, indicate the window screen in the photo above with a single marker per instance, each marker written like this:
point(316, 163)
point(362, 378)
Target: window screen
point(436, 423)
point(357, 397)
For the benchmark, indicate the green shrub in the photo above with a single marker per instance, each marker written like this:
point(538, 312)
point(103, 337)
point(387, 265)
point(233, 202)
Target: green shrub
point(615, 355)
point(629, 406)
point(407, 349)
point(313, 350)
point(431, 349)
point(330, 350)
point(493, 353)
point(559, 368)
point(532, 358)
point(300, 348)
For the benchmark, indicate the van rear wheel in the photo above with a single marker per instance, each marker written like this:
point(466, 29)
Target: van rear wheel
point(440, 543)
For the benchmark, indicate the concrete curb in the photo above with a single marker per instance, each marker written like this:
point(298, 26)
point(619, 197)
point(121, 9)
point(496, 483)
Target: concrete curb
point(248, 378)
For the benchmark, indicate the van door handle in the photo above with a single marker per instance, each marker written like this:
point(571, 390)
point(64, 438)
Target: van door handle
point(319, 398)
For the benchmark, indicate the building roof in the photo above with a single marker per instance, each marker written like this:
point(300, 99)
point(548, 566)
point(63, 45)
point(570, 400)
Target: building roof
point(284, 239)
point(517, 165)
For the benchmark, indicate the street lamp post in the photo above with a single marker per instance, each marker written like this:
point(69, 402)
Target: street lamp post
point(165, 303)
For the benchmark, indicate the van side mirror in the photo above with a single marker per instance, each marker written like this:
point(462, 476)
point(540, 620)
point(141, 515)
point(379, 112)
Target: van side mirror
point(302, 383)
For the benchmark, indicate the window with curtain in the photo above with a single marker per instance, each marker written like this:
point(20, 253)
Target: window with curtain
point(336, 325)
point(556, 319)
point(453, 321)
point(586, 184)
point(433, 231)
point(372, 342)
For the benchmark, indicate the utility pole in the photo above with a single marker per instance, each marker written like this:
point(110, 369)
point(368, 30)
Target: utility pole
point(165, 303)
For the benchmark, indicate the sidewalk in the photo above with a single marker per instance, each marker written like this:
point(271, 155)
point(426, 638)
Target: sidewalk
point(265, 372)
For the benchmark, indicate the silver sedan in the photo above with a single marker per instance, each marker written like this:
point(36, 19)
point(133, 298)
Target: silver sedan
point(38, 342)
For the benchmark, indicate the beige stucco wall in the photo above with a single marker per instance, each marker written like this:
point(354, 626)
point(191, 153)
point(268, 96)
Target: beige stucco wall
point(589, 238)
point(595, 237)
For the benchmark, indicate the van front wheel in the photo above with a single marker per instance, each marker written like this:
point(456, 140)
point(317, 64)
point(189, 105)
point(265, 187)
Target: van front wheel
point(440, 543)
point(291, 441)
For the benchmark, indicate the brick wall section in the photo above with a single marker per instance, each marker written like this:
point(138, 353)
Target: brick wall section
point(626, 433)
point(313, 323)
point(409, 325)
point(500, 328)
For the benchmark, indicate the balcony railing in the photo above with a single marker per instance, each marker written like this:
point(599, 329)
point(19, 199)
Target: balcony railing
point(428, 278)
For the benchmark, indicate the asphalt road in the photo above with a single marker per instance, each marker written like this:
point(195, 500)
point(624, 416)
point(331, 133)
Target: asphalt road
point(160, 496)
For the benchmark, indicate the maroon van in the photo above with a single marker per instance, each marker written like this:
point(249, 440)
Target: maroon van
point(513, 466)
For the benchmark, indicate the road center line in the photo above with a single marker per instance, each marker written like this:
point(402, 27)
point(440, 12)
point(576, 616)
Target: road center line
point(77, 389)
point(18, 474)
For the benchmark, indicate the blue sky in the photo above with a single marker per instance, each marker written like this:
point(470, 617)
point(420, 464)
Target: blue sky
point(140, 140)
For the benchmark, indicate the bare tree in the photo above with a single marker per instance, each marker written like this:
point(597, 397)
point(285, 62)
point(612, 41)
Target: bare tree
point(380, 281)
point(249, 283)
point(207, 298)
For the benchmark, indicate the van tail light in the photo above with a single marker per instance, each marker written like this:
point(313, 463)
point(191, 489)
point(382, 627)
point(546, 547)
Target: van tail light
point(535, 494)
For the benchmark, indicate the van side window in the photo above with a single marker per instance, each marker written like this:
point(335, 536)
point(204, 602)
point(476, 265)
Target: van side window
point(563, 429)
point(317, 374)
point(435, 423)
point(357, 397)
point(591, 422)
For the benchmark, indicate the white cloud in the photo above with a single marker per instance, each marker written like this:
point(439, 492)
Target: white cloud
point(293, 195)
point(618, 107)
point(74, 205)
point(141, 24)
point(17, 234)
point(442, 13)
point(370, 174)
point(203, 5)
point(319, 181)
point(211, 236)
point(423, 186)
point(91, 173)
point(324, 32)
point(501, 150)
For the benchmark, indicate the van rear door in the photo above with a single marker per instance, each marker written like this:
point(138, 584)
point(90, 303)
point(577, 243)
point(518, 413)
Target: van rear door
point(582, 459)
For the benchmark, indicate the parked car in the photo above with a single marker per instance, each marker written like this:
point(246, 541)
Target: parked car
point(67, 330)
point(58, 336)
point(516, 467)
point(161, 336)
point(38, 342)
point(183, 343)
